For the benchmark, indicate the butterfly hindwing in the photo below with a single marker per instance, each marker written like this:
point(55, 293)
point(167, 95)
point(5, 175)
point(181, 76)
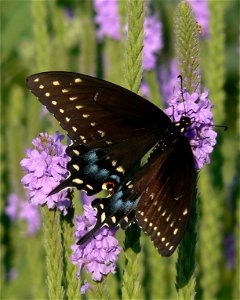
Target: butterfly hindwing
point(89, 169)
point(112, 212)
point(166, 187)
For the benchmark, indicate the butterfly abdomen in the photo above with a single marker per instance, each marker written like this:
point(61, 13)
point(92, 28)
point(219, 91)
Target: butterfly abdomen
point(175, 131)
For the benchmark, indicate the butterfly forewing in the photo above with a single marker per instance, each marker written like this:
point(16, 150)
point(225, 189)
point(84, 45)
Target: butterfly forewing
point(99, 114)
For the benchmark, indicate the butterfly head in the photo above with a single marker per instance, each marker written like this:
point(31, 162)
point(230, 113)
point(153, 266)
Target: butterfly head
point(185, 122)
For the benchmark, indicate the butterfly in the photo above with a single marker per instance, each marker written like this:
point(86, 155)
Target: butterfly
point(111, 129)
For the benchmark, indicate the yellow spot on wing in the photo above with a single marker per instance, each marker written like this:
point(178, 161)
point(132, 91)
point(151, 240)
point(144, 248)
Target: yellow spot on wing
point(120, 169)
point(77, 180)
point(103, 217)
point(85, 116)
point(76, 167)
point(76, 152)
point(89, 186)
point(102, 133)
point(56, 82)
point(114, 163)
point(78, 80)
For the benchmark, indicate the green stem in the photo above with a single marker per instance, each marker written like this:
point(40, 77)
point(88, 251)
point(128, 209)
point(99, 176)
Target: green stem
point(151, 80)
point(59, 43)
point(54, 252)
point(211, 181)
point(68, 232)
point(187, 48)
point(133, 75)
point(87, 59)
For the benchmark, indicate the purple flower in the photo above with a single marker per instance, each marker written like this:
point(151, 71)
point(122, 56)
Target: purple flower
point(168, 80)
point(152, 41)
point(30, 213)
point(12, 274)
point(201, 135)
point(229, 245)
point(201, 13)
point(100, 254)
point(23, 210)
point(46, 167)
point(107, 19)
point(12, 207)
point(145, 89)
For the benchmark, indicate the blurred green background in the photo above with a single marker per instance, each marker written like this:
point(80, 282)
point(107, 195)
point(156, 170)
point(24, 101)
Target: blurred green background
point(60, 35)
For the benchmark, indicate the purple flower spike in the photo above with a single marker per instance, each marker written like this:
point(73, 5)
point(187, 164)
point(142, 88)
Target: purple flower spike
point(152, 41)
point(12, 207)
point(23, 210)
point(145, 89)
point(99, 255)
point(46, 167)
point(168, 80)
point(30, 213)
point(107, 19)
point(200, 10)
point(201, 135)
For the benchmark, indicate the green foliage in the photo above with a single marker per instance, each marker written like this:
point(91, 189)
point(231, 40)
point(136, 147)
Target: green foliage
point(54, 253)
point(187, 45)
point(38, 36)
point(133, 74)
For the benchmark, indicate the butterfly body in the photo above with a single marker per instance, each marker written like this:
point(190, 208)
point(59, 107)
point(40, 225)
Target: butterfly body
point(112, 129)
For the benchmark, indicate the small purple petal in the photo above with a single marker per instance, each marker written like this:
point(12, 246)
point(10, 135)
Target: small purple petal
point(85, 287)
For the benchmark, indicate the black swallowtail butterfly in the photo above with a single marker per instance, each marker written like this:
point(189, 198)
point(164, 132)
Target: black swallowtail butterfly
point(112, 128)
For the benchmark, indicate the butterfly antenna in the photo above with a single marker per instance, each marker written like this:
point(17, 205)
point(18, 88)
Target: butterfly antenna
point(181, 82)
point(212, 125)
point(223, 126)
